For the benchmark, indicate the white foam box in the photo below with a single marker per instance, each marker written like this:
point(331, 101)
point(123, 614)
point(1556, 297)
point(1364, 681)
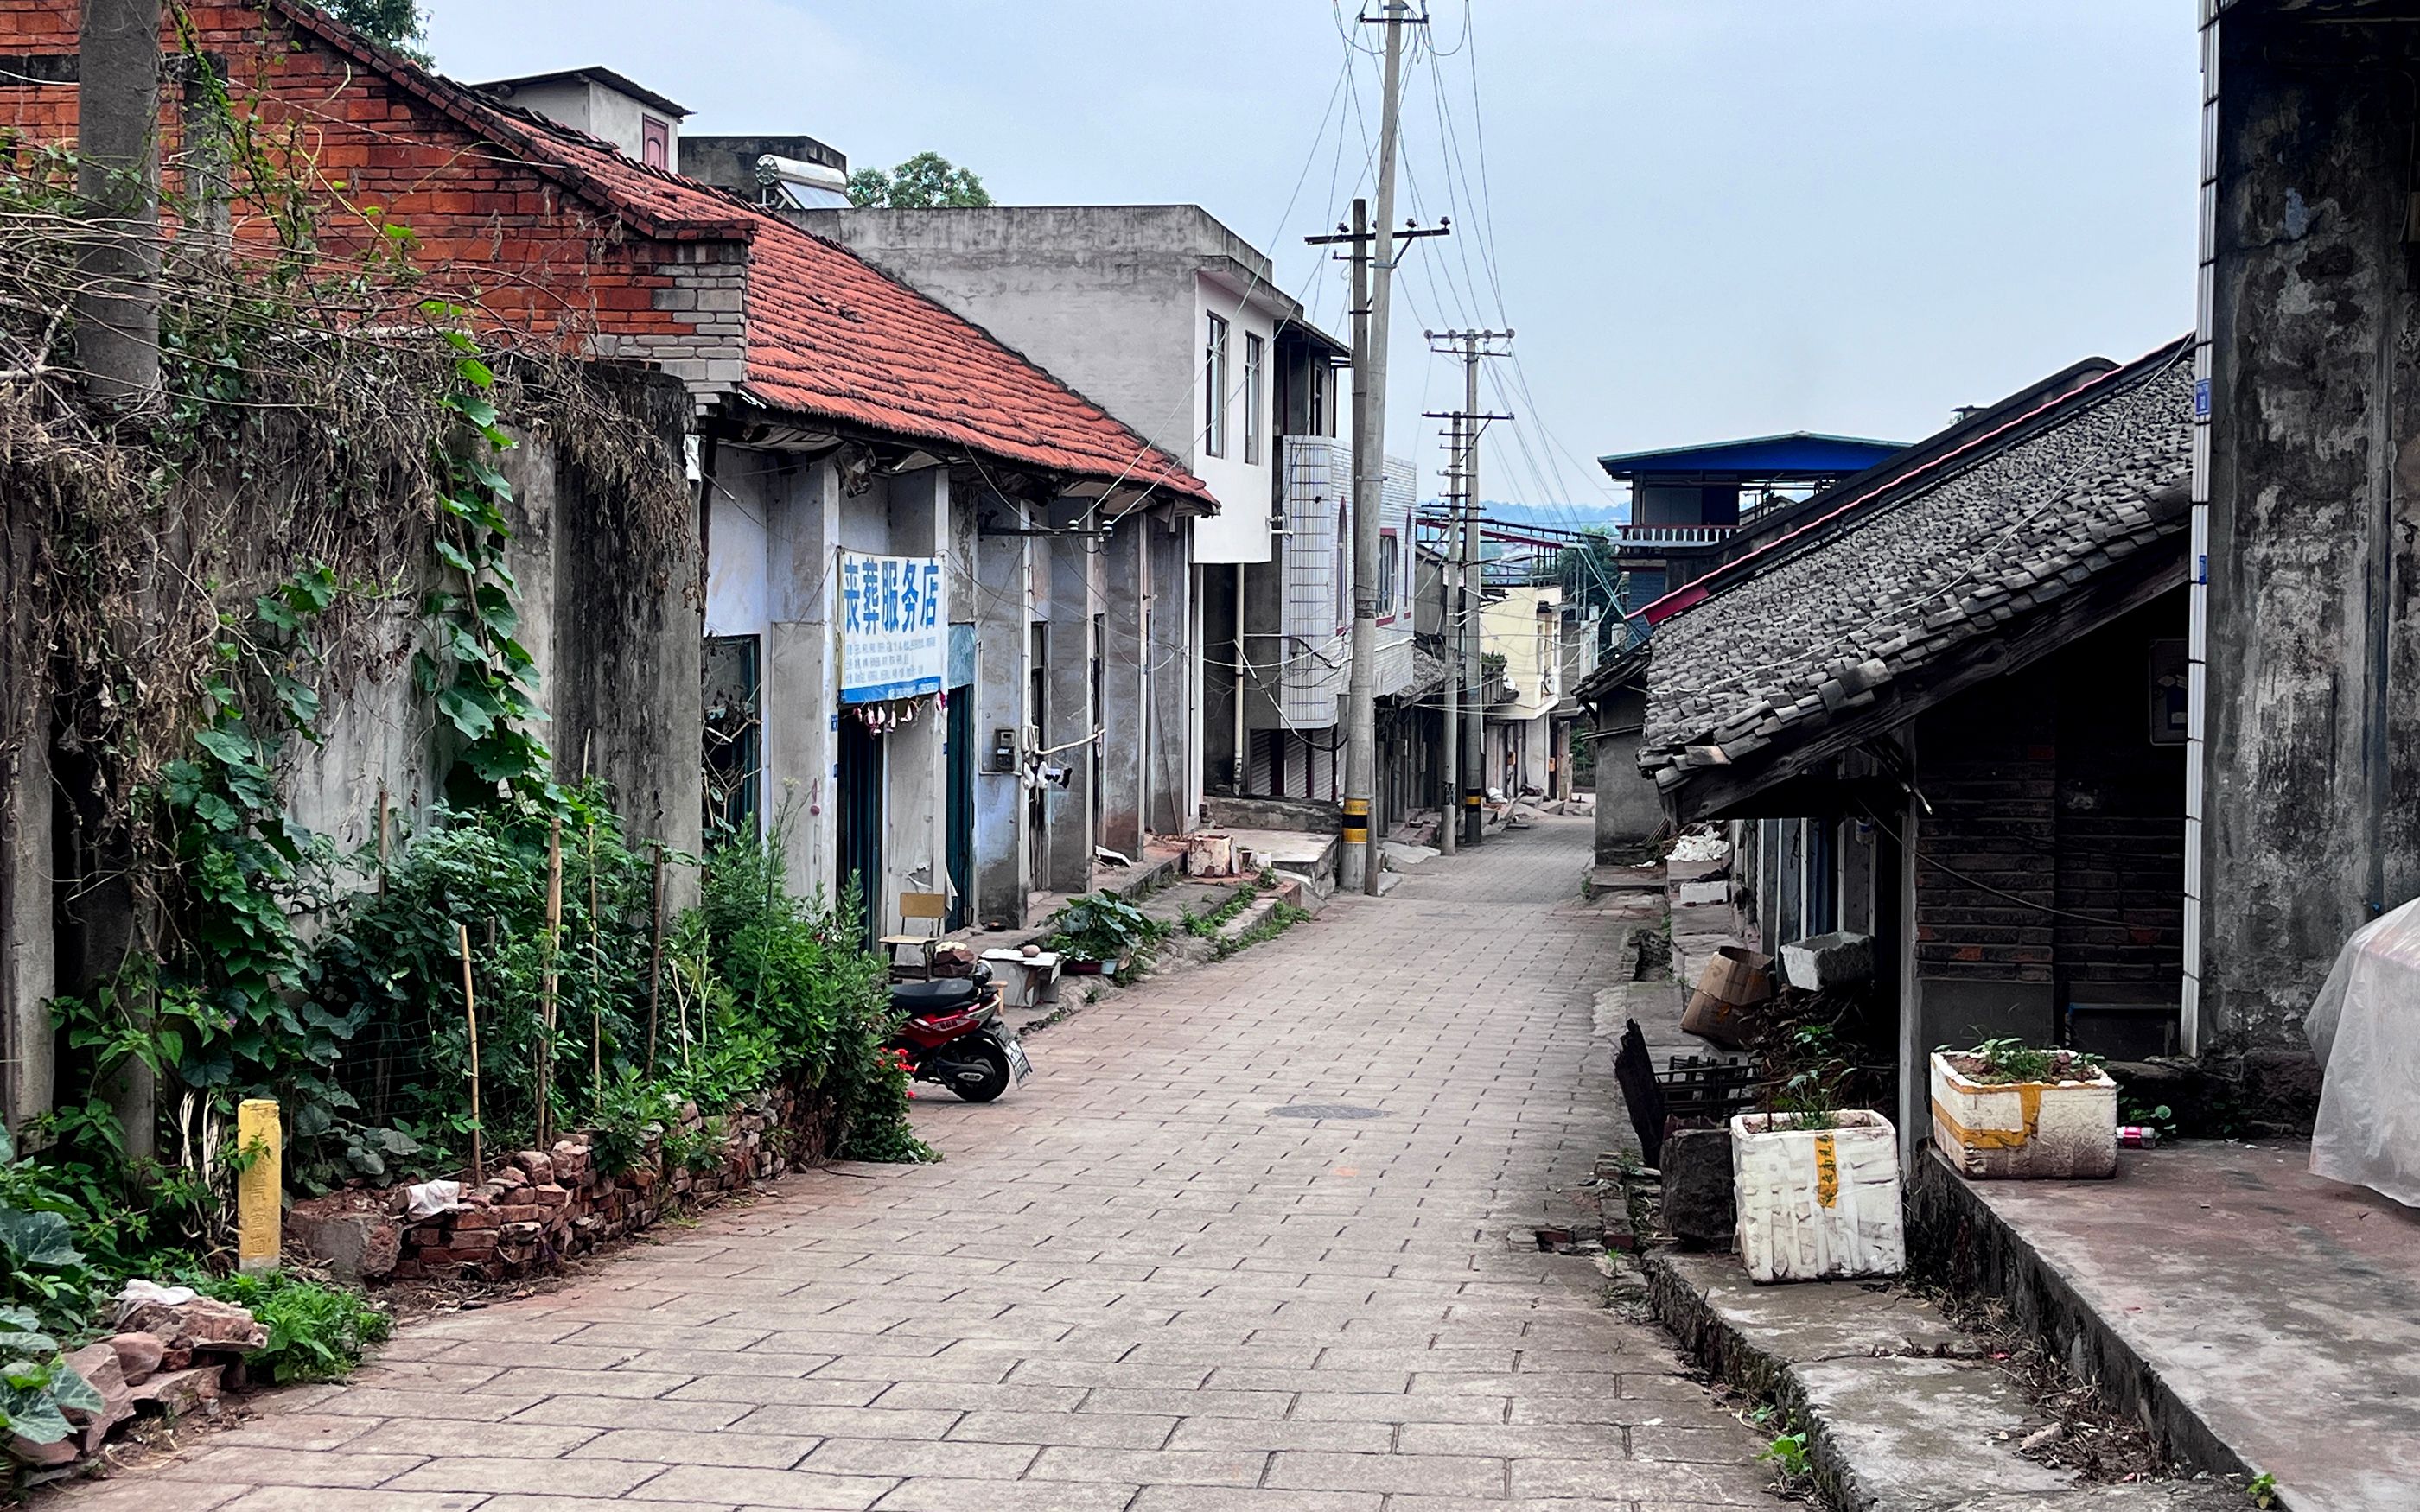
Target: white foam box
point(2055, 1131)
point(1815, 1204)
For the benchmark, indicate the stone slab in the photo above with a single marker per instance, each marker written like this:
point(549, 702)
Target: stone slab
point(1901, 1415)
point(1626, 878)
point(2260, 1318)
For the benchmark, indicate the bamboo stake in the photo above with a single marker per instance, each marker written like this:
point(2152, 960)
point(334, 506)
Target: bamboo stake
point(385, 1061)
point(547, 994)
point(596, 990)
point(471, 1018)
point(656, 961)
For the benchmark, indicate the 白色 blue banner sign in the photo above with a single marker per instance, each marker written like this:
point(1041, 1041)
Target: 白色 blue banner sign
point(894, 628)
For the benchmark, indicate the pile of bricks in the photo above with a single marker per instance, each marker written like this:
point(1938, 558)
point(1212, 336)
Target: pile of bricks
point(542, 1207)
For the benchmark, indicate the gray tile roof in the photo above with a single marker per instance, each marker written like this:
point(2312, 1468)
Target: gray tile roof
point(1771, 659)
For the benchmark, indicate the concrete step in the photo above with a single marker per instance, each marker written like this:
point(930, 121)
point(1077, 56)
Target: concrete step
point(1902, 1411)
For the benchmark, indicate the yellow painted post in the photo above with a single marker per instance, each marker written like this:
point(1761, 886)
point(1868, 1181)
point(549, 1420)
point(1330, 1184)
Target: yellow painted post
point(260, 1190)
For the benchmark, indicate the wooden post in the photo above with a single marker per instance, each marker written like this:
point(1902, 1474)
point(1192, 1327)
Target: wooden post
point(655, 960)
point(260, 1189)
point(471, 1018)
point(547, 993)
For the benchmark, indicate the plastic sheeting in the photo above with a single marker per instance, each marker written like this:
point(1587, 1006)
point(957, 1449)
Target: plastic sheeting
point(2364, 1028)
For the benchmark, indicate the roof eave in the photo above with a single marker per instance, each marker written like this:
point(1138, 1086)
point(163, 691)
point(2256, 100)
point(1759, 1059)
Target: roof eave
point(1715, 786)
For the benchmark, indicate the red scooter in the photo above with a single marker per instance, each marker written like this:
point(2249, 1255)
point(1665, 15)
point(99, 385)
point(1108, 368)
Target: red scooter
point(952, 1033)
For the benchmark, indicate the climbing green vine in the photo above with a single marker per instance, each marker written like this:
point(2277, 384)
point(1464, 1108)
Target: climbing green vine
point(480, 675)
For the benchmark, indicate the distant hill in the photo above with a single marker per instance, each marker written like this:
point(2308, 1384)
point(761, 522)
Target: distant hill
point(1578, 516)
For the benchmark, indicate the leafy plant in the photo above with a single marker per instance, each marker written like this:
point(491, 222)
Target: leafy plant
point(315, 1331)
point(2004, 1060)
point(36, 1385)
point(1102, 926)
point(799, 968)
point(1788, 1453)
point(1813, 1064)
point(1208, 925)
point(2161, 1117)
point(2262, 1489)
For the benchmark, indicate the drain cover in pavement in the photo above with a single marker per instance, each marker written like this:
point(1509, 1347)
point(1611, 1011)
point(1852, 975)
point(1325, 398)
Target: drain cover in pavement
point(1325, 1110)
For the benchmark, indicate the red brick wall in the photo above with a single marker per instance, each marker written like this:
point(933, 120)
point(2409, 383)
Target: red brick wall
point(489, 231)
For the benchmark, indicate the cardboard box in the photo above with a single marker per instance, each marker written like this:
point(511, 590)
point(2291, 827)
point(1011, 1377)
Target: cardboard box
point(1728, 989)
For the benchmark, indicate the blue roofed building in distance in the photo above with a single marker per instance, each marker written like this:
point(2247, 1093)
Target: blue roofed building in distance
point(1690, 506)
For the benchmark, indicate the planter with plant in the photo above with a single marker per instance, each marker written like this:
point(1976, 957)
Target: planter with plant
point(1102, 931)
point(2007, 1109)
point(1816, 1185)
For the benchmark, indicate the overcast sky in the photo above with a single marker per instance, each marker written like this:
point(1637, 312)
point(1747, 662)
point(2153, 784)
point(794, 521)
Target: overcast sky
point(1710, 218)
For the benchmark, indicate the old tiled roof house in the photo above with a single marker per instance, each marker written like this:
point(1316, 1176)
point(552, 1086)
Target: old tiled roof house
point(835, 410)
point(1962, 679)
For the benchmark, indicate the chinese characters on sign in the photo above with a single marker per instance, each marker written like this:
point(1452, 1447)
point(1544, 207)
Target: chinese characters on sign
point(895, 631)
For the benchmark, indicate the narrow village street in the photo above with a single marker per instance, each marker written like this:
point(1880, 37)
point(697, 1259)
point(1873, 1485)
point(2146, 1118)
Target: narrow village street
point(1131, 1284)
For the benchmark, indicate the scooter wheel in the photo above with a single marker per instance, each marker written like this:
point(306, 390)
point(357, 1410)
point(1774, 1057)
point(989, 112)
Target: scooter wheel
point(982, 1077)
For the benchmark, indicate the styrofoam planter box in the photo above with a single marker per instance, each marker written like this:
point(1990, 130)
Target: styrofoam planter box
point(2043, 1130)
point(1815, 1203)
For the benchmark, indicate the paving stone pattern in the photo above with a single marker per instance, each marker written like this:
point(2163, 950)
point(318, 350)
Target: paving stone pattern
point(1128, 1288)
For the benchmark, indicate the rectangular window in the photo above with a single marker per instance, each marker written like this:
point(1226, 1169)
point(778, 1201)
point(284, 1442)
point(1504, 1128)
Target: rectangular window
point(655, 142)
point(1255, 364)
point(1390, 569)
point(1214, 388)
point(734, 738)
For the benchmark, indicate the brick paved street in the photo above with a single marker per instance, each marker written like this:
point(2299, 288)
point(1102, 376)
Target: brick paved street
point(1129, 1286)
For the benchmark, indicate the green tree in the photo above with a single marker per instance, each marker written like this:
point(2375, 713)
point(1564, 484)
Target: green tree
point(921, 183)
point(399, 24)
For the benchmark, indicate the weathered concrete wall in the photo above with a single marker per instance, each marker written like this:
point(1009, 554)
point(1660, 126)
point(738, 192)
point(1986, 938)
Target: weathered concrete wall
point(1124, 694)
point(627, 651)
point(1069, 715)
point(801, 505)
point(1628, 812)
point(2313, 698)
point(610, 623)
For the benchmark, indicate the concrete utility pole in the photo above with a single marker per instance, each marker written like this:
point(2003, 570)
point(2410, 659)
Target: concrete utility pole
point(1374, 248)
point(1464, 602)
point(118, 349)
point(1449, 830)
point(1359, 864)
point(117, 176)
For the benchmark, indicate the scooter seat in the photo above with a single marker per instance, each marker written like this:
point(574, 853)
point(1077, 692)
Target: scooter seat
point(927, 998)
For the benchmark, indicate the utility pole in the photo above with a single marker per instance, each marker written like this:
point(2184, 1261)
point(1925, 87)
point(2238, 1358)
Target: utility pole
point(1358, 865)
point(118, 176)
point(1465, 602)
point(118, 349)
point(1449, 830)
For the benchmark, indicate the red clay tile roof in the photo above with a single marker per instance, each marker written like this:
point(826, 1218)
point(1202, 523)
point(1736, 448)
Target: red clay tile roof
point(828, 335)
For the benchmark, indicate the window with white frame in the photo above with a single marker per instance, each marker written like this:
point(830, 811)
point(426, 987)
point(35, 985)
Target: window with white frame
point(1214, 387)
point(1255, 364)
